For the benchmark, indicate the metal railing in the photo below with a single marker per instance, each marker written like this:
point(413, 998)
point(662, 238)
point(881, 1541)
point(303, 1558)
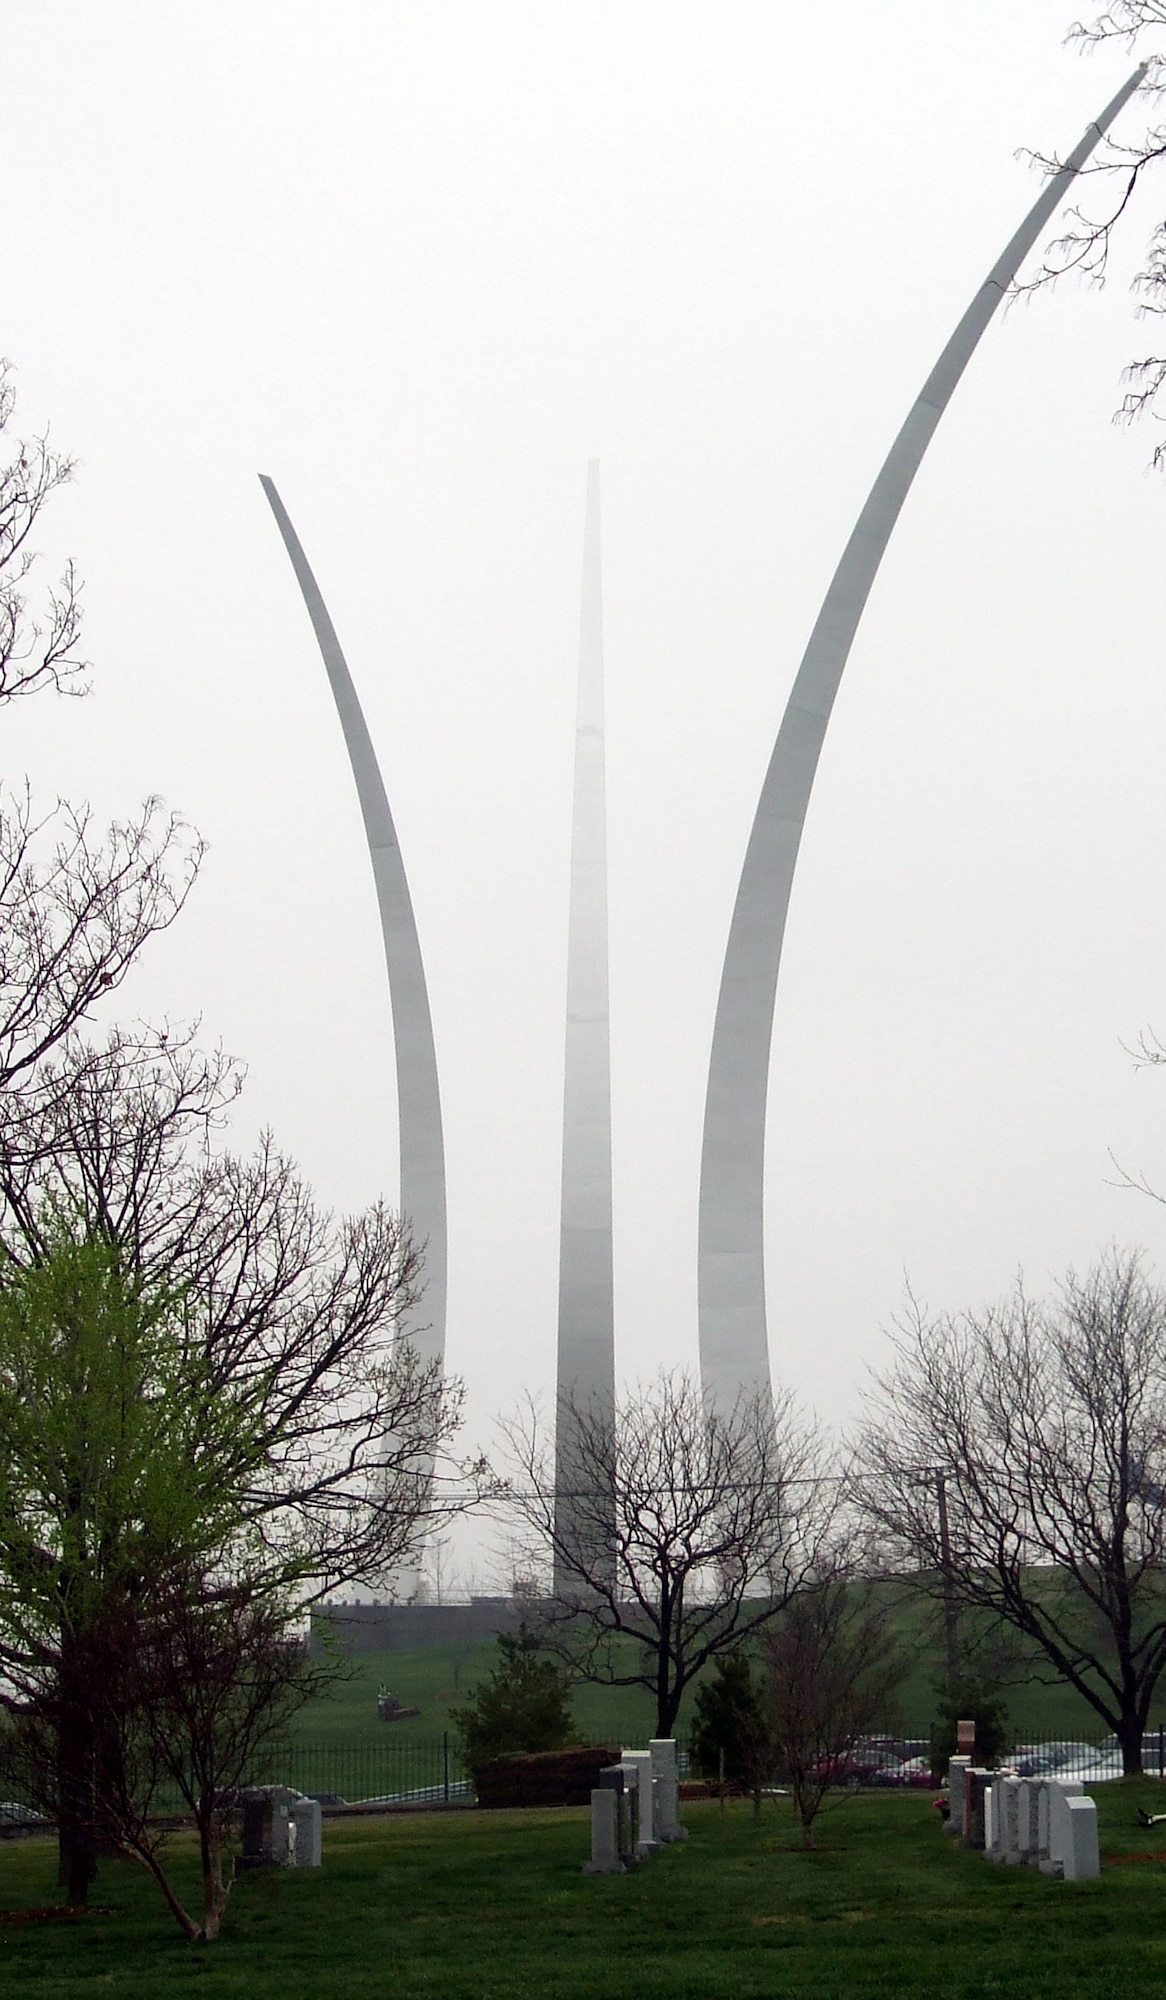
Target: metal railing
point(400, 1770)
point(432, 1771)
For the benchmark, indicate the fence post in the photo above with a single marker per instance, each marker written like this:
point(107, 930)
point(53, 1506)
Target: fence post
point(445, 1761)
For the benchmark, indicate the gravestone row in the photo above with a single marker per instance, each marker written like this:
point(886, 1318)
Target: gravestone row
point(635, 1808)
point(281, 1828)
point(1046, 1822)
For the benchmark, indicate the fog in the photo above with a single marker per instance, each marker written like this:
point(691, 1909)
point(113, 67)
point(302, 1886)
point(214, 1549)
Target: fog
point(420, 264)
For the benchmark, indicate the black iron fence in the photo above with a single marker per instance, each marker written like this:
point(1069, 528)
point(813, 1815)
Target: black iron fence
point(404, 1770)
point(431, 1771)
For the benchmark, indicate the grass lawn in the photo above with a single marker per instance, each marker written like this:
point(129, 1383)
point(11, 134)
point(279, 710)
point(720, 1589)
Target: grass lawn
point(435, 1679)
point(489, 1906)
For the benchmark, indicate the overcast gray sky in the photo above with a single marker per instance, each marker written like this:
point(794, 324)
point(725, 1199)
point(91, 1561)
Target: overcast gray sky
point(420, 262)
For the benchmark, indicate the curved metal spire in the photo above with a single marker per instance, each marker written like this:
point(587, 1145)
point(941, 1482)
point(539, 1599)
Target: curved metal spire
point(734, 1352)
point(418, 1097)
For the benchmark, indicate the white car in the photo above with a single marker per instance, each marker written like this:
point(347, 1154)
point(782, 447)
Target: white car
point(1090, 1763)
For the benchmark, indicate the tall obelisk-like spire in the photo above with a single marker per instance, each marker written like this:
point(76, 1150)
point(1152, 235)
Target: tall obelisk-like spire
point(586, 1359)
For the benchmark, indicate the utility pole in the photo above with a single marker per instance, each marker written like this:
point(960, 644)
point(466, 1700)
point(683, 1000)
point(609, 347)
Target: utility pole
point(950, 1628)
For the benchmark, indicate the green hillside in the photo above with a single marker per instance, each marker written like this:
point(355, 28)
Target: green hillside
point(437, 1678)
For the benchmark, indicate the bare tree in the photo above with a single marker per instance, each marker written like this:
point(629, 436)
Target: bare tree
point(75, 912)
point(1051, 1424)
point(215, 1675)
point(37, 648)
point(285, 1307)
point(833, 1674)
point(208, 1674)
point(1115, 175)
point(688, 1529)
point(75, 907)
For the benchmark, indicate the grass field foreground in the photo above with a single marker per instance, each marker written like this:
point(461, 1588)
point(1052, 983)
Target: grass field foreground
point(476, 1906)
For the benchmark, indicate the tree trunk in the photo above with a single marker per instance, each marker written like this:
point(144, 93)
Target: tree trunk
point(149, 1860)
point(214, 1891)
point(76, 1842)
point(667, 1702)
point(1129, 1735)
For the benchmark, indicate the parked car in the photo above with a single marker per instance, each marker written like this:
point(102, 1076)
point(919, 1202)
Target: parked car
point(1091, 1763)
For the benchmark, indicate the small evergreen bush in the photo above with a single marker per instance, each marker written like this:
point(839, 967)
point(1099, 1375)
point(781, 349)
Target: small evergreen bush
point(970, 1700)
point(523, 1705)
point(731, 1715)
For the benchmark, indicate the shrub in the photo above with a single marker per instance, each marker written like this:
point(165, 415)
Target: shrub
point(970, 1700)
point(731, 1717)
point(523, 1705)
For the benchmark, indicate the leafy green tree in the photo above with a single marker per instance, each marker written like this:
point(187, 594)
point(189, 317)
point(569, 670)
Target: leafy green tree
point(112, 1445)
point(523, 1705)
point(731, 1722)
point(204, 1386)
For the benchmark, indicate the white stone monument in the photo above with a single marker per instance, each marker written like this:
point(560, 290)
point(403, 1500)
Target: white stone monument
point(1053, 1829)
point(604, 1834)
point(639, 1764)
point(1080, 1860)
point(1055, 1826)
point(305, 1844)
point(956, 1776)
point(1027, 1830)
point(662, 1750)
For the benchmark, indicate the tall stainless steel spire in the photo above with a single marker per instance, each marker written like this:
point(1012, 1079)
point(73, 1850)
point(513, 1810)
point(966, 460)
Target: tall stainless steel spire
point(586, 1357)
point(734, 1350)
point(418, 1099)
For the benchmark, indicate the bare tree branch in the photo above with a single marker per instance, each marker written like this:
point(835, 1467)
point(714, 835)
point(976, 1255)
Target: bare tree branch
point(37, 650)
point(1050, 1423)
point(74, 914)
point(1118, 169)
point(687, 1529)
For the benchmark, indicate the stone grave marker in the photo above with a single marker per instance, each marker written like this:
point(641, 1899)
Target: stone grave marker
point(662, 1750)
point(605, 1833)
point(1054, 1793)
point(1028, 1798)
point(1080, 1860)
point(639, 1762)
point(267, 1823)
point(305, 1844)
point(957, 1771)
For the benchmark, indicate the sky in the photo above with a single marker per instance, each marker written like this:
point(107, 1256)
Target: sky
point(420, 263)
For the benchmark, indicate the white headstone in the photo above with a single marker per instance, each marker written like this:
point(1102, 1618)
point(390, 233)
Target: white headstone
point(1027, 1836)
point(956, 1769)
point(604, 1834)
point(1058, 1792)
point(1011, 1798)
point(305, 1847)
point(1080, 1859)
point(640, 1762)
point(662, 1750)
